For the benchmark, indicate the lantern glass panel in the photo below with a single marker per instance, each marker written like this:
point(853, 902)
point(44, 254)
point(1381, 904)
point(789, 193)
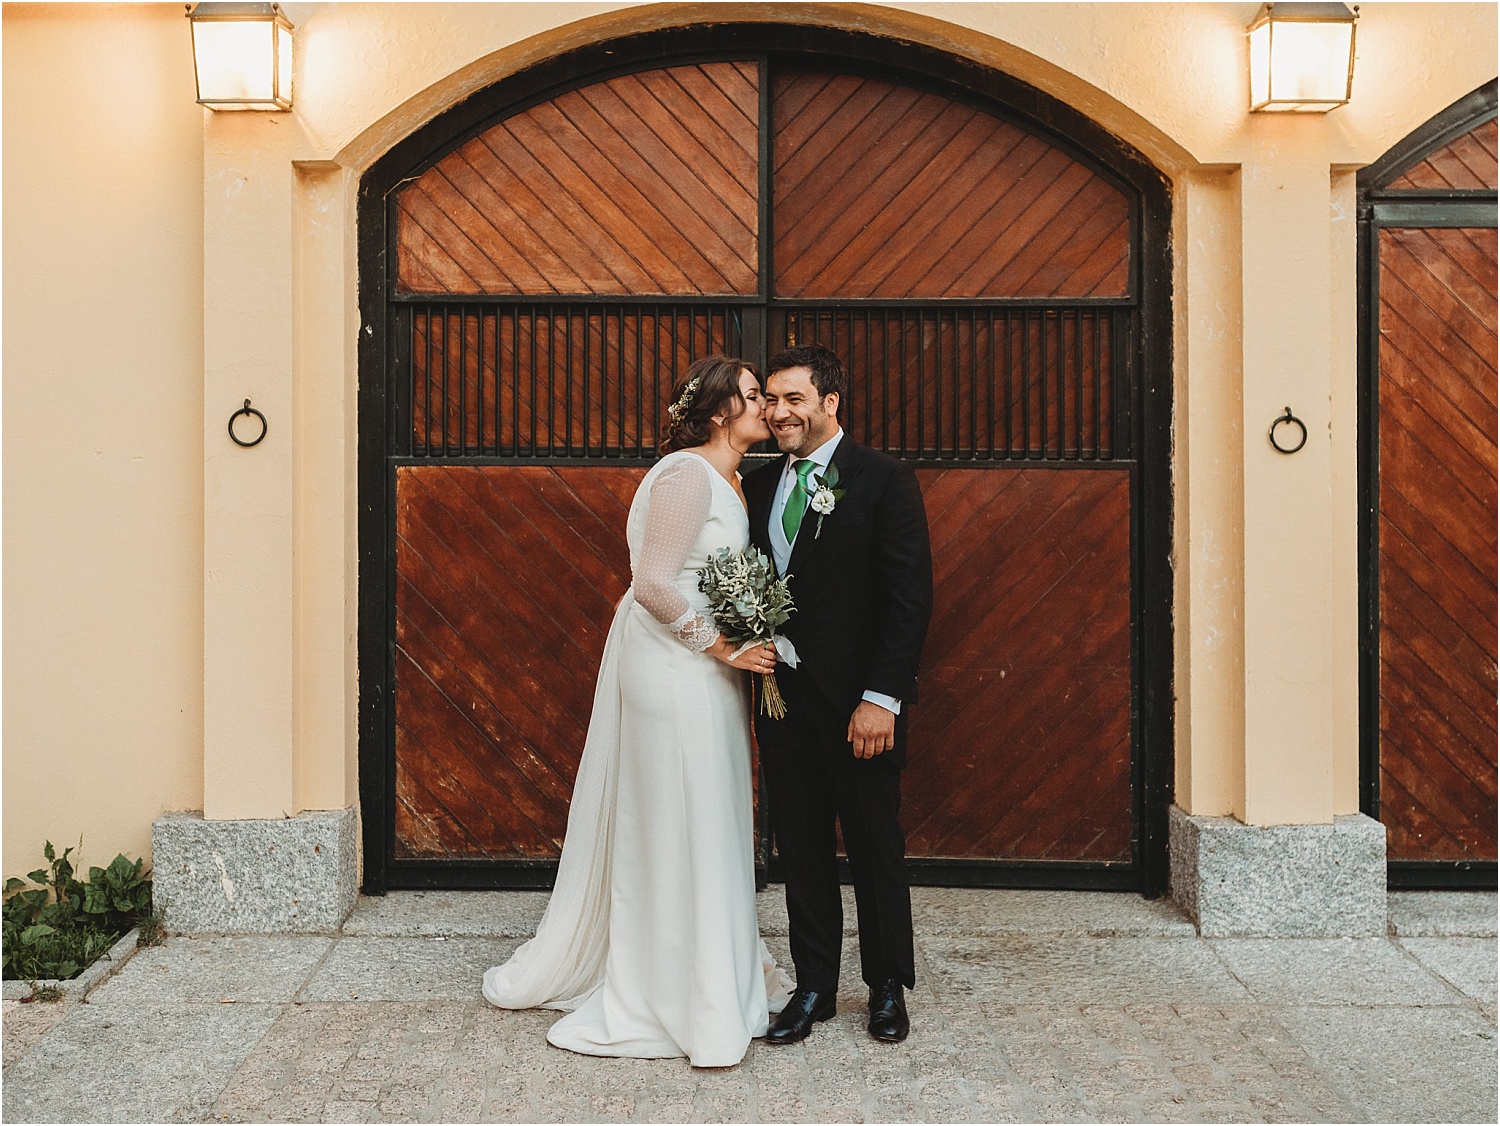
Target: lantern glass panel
point(235, 62)
point(284, 63)
point(1260, 65)
point(1309, 61)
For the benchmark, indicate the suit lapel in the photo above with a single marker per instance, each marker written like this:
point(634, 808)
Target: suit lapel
point(846, 460)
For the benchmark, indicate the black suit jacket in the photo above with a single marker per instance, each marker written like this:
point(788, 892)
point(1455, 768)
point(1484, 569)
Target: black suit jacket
point(863, 587)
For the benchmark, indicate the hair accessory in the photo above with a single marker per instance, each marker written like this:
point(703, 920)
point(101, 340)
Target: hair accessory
point(680, 407)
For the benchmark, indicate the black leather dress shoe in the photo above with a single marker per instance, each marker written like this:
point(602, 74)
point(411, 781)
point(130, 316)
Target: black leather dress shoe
point(806, 1008)
point(888, 1019)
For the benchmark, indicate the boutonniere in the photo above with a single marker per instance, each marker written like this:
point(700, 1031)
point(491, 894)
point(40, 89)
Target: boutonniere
point(825, 496)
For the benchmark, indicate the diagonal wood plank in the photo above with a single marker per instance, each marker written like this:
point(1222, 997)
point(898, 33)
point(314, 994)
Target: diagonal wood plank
point(643, 183)
point(507, 579)
point(933, 199)
point(1465, 162)
point(1437, 533)
point(1025, 646)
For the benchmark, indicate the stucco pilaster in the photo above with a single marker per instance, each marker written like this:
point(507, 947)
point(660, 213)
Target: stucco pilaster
point(1208, 446)
point(247, 504)
point(1288, 499)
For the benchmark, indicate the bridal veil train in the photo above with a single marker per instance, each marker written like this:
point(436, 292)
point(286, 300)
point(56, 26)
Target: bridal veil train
point(650, 941)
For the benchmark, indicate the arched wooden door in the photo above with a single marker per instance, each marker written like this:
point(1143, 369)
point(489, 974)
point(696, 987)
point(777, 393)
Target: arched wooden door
point(1428, 511)
point(541, 264)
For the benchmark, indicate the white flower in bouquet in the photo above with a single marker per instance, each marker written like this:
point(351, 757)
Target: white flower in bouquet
point(749, 604)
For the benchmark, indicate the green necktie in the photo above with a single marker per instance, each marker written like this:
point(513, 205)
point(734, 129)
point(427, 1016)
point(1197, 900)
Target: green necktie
point(796, 504)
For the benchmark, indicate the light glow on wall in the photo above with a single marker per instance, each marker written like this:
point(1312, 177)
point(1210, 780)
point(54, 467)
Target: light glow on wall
point(1301, 58)
point(243, 56)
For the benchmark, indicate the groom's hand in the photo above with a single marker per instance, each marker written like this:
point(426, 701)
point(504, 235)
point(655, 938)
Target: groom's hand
point(872, 730)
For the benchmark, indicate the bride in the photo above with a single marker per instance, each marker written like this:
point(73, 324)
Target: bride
point(650, 940)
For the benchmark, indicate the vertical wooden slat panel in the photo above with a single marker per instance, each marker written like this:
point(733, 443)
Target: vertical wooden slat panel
point(587, 381)
point(978, 383)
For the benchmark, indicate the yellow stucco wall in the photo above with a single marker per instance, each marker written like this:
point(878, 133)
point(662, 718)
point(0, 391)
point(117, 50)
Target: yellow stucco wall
point(245, 562)
point(103, 441)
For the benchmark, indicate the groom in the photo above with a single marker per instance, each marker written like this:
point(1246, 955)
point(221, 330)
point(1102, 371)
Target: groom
point(847, 524)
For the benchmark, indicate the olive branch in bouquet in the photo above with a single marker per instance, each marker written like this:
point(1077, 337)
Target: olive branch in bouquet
point(749, 603)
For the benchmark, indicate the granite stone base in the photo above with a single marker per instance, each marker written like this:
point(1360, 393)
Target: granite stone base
point(1282, 881)
point(289, 875)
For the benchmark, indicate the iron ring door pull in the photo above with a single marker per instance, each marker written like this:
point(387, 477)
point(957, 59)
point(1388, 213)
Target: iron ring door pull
point(1288, 419)
point(247, 409)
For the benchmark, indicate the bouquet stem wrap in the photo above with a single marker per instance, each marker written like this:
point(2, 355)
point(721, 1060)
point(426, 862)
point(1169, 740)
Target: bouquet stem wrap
point(749, 604)
point(771, 702)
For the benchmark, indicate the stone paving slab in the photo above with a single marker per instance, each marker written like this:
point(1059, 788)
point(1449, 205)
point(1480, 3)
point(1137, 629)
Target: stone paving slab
point(406, 969)
point(1467, 964)
point(985, 912)
point(965, 1062)
point(1442, 914)
point(239, 968)
point(1399, 1064)
point(1163, 1062)
point(1023, 970)
point(490, 914)
point(1332, 971)
point(362, 1061)
point(137, 1063)
point(937, 911)
point(25, 1023)
point(1056, 1024)
point(507, 914)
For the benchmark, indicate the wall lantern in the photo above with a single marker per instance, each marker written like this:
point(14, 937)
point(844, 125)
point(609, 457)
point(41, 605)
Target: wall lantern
point(1301, 58)
point(243, 56)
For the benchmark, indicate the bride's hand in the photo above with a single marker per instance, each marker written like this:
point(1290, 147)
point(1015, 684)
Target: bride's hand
point(757, 658)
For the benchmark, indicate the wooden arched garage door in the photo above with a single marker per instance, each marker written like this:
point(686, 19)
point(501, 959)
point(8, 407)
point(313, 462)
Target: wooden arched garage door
point(1428, 399)
point(538, 267)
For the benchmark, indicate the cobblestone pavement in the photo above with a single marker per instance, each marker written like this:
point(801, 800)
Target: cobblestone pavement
point(1030, 1007)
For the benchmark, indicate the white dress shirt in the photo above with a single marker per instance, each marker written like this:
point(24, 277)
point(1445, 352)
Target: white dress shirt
point(781, 547)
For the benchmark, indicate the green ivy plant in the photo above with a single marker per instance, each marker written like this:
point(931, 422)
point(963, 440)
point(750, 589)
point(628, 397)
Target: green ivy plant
point(60, 926)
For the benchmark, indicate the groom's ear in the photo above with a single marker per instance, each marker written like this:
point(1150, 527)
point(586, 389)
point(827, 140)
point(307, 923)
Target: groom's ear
point(831, 404)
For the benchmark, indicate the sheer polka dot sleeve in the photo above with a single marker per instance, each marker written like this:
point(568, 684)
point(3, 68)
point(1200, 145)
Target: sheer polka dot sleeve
point(680, 500)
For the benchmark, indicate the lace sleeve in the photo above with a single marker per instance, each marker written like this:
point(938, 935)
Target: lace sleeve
point(680, 499)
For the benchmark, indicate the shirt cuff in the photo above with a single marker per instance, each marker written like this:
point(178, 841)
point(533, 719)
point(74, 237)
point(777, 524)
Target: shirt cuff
point(889, 703)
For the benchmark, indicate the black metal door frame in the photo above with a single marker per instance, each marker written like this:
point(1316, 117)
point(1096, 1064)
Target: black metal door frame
point(1380, 205)
point(1147, 366)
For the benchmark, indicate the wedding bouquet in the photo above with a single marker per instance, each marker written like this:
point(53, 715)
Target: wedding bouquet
point(749, 604)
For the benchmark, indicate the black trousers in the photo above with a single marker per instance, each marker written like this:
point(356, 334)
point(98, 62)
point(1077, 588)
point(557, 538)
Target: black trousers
point(813, 778)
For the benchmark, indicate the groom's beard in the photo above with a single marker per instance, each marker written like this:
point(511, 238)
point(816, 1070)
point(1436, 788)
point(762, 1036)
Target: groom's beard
point(804, 439)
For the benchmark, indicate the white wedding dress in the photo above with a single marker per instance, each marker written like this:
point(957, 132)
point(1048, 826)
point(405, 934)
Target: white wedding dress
point(650, 939)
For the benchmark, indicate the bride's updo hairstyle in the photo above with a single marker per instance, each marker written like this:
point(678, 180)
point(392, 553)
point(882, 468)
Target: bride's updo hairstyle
point(709, 388)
